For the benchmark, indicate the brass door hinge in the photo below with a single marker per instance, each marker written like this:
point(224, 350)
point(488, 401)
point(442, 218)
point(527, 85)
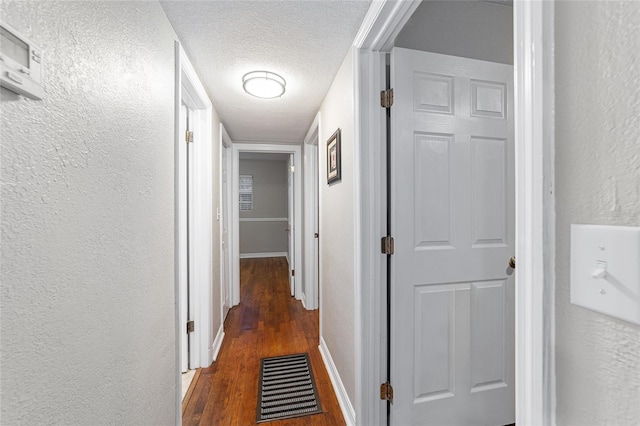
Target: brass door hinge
point(386, 98)
point(387, 245)
point(386, 392)
point(191, 326)
point(189, 136)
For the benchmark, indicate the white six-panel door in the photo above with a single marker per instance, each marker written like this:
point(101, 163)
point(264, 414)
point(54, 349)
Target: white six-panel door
point(452, 212)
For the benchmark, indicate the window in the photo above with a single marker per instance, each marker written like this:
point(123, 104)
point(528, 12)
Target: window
point(246, 192)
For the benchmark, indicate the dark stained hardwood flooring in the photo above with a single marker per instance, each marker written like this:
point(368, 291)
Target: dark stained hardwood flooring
point(267, 322)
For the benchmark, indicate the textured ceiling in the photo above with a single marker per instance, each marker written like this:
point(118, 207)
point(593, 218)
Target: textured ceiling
point(303, 41)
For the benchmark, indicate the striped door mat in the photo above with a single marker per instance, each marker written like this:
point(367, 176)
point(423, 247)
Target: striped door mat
point(286, 388)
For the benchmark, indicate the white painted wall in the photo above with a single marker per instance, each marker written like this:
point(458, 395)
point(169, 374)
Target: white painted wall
point(598, 182)
point(337, 231)
point(470, 29)
point(87, 226)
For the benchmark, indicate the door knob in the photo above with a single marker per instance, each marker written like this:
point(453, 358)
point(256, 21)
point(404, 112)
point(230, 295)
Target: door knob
point(512, 262)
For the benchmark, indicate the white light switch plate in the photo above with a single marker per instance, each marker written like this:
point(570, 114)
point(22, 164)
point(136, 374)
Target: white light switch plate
point(605, 270)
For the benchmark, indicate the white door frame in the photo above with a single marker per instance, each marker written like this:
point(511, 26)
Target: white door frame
point(189, 90)
point(533, 64)
point(226, 210)
point(235, 238)
point(311, 204)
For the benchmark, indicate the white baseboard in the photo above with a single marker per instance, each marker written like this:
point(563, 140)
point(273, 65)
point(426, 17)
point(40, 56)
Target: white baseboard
point(348, 412)
point(217, 342)
point(302, 299)
point(260, 255)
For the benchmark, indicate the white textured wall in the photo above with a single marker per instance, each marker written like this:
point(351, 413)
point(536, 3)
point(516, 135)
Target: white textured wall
point(470, 29)
point(87, 225)
point(598, 182)
point(337, 231)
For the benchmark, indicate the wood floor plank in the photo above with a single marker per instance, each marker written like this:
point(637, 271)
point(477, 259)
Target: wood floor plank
point(267, 322)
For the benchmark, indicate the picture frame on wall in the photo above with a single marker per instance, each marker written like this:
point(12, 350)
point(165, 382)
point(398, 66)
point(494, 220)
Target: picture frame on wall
point(334, 167)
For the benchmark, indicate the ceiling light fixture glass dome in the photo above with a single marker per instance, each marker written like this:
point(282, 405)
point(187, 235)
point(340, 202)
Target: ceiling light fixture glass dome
point(263, 84)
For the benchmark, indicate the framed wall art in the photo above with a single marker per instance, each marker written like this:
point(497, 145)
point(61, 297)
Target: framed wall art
point(334, 168)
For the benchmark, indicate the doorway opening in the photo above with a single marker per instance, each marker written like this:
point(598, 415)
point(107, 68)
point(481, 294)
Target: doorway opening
point(292, 220)
point(533, 313)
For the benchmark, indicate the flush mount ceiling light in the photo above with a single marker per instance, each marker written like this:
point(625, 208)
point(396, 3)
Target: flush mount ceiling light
point(263, 84)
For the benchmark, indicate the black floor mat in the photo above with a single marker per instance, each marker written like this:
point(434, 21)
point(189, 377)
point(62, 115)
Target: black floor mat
point(286, 388)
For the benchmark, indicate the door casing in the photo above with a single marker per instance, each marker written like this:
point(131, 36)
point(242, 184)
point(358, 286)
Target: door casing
point(226, 213)
point(311, 217)
point(189, 91)
point(234, 237)
point(535, 232)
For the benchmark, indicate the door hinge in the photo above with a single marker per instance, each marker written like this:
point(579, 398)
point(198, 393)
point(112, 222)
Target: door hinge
point(191, 326)
point(189, 136)
point(386, 98)
point(386, 392)
point(387, 246)
point(293, 272)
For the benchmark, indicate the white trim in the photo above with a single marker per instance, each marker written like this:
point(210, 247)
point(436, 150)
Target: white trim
point(176, 231)
point(348, 412)
point(302, 299)
point(263, 219)
point(217, 342)
point(262, 255)
point(384, 20)
point(227, 212)
point(382, 23)
point(535, 375)
point(189, 90)
point(235, 241)
point(202, 212)
point(311, 210)
point(535, 217)
point(370, 322)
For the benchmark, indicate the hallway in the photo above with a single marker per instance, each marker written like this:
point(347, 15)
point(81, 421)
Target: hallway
point(267, 322)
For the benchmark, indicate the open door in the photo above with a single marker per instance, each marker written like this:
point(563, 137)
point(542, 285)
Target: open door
point(291, 225)
point(452, 218)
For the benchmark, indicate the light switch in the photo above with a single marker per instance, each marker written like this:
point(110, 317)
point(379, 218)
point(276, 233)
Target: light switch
point(605, 270)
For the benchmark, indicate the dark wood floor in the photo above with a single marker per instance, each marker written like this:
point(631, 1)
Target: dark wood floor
point(268, 322)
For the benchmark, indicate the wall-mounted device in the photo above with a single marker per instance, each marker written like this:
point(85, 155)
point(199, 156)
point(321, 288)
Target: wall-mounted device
point(20, 63)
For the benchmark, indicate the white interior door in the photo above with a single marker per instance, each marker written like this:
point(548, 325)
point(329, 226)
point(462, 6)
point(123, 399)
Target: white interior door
point(224, 209)
point(452, 216)
point(316, 226)
point(290, 225)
